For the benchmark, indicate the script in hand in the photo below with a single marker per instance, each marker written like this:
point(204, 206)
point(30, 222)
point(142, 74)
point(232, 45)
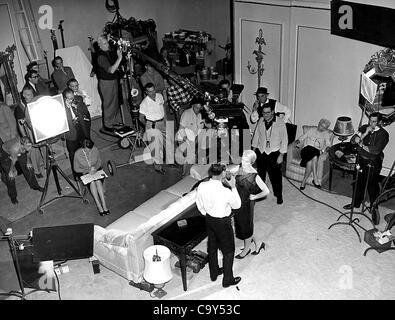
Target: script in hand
point(88, 178)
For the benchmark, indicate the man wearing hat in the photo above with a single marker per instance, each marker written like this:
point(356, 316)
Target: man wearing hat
point(263, 100)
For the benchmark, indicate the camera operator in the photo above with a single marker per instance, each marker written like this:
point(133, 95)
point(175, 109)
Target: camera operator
point(108, 76)
point(79, 121)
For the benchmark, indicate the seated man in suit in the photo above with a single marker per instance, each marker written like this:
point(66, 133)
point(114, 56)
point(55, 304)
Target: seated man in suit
point(33, 79)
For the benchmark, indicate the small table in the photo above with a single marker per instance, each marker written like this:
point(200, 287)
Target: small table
point(182, 236)
point(343, 163)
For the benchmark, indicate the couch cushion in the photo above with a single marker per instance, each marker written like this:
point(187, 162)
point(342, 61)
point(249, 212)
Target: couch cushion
point(156, 204)
point(183, 186)
point(199, 171)
point(117, 238)
point(128, 222)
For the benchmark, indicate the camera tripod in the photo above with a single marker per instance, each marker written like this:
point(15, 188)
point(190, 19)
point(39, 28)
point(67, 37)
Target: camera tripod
point(53, 167)
point(13, 244)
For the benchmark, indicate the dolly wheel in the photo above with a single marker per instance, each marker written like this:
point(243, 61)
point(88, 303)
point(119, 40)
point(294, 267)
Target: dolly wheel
point(124, 143)
point(112, 168)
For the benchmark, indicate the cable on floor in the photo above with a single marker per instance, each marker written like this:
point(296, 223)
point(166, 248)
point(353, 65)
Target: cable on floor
point(321, 202)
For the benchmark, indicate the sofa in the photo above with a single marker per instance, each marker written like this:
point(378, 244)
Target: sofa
point(120, 246)
point(293, 169)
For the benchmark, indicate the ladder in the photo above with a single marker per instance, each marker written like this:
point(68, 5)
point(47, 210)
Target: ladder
point(28, 31)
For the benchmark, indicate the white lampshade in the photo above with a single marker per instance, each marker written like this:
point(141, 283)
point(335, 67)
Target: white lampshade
point(157, 272)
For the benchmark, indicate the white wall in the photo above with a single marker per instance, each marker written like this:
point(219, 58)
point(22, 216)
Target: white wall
point(319, 73)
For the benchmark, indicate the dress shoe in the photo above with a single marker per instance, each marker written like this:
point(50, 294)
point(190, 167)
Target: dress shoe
point(235, 281)
point(220, 271)
point(159, 169)
point(106, 212)
point(101, 213)
point(41, 189)
point(280, 200)
point(262, 246)
point(239, 256)
point(316, 185)
point(14, 201)
point(302, 187)
point(349, 206)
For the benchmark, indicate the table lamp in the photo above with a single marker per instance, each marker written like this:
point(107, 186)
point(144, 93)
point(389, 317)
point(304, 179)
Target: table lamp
point(343, 128)
point(157, 267)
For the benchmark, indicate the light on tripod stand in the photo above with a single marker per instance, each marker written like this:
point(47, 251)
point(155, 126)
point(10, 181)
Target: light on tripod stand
point(49, 120)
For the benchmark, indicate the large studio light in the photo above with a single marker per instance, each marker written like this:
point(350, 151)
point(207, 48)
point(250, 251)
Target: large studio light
point(48, 117)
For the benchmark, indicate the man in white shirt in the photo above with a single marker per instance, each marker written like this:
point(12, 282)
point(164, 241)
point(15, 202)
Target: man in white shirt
point(262, 101)
point(152, 115)
point(191, 124)
point(215, 201)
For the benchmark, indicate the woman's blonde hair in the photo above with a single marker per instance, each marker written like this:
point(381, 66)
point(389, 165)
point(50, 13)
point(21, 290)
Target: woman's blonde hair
point(325, 122)
point(250, 154)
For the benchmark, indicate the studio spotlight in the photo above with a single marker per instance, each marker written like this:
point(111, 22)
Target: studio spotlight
point(49, 120)
point(48, 117)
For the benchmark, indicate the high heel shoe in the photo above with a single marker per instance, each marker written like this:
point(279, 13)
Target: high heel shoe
point(316, 185)
point(239, 256)
point(262, 246)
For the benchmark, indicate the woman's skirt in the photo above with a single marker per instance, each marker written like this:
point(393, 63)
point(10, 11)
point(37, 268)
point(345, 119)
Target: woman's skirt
point(307, 153)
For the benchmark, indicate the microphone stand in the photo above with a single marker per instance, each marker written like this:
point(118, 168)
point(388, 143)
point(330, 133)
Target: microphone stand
point(350, 215)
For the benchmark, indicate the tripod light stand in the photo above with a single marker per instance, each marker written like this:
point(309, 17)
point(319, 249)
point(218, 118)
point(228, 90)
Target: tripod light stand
point(350, 215)
point(49, 120)
point(53, 167)
point(14, 246)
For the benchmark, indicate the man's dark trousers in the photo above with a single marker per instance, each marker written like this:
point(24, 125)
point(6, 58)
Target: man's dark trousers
point(220, 236)
point(268, 163)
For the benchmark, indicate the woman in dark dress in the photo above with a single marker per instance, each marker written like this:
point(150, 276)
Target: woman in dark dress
point(250, 187)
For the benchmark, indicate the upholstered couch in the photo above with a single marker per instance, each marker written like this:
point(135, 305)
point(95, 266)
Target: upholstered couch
point(120, 246)
point(293, 169)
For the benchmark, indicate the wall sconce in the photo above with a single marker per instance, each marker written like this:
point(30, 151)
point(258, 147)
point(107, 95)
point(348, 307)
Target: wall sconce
point(259, 58)
point(343, 128)
point(157, 268)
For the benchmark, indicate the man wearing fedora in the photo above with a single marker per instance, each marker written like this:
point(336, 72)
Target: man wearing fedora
point(263, 100)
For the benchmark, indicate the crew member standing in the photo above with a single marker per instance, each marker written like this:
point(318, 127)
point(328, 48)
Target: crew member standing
point(215, 201)
point(371, 139)
point(270, 142)
point(107, 75)
point(152, 115)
